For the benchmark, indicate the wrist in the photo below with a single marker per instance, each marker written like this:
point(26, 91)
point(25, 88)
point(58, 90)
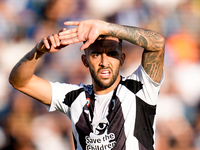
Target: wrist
point(104, 30)
point(39, 51)
point(40, 48)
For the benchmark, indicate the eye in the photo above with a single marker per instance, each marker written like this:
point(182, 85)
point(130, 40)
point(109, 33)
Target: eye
point(95, 55)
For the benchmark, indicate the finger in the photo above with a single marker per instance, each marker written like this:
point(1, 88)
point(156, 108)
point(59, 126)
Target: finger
point(64, 29)
point(70, 41)
point(84, 46)
point(74, 23)
point(69, 36)
point(87, 44)
point(46, 43)
point(52, 41)
point(64, 32)
point(57, 40)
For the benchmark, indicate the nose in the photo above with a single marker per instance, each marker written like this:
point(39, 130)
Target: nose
point(104, 60)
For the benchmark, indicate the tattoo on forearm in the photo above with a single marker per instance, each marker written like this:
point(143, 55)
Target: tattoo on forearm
point(29, 56)
point(24, 59)
point(141, 37)
point(151, 41)
point(142, 41)
point(150, 33)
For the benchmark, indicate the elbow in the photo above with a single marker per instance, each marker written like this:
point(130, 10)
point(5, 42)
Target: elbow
point(156, 44)
point(160, 43)
point(14, 82)
point(10, 80)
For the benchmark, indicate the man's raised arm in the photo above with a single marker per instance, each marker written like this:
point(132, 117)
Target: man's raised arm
point(22, 75)
point(152, 42)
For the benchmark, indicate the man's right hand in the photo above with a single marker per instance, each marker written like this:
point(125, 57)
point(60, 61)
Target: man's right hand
point(22, 76)
point(50, 44)
point(87, 30)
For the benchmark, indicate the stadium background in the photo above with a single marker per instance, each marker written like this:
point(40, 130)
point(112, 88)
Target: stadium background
point(25, 123)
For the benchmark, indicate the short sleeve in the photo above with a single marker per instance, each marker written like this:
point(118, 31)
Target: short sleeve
point(59, 90)
point(150, 90)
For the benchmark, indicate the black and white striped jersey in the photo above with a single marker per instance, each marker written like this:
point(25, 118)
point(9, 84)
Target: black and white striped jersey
point(129, 123)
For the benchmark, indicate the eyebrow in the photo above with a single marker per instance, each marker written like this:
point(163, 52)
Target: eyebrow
point(99, 52)
point(95, 52)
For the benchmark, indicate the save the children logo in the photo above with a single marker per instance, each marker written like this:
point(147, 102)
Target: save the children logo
point(99, 139)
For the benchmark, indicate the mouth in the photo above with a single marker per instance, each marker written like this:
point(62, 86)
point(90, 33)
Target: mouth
point(105, 73)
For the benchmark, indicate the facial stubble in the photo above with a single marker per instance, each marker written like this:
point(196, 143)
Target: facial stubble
point(100, 82)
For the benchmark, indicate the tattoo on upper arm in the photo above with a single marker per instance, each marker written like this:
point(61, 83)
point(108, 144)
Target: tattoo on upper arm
point(151, 41)
point(153, 70)
point(153, 64)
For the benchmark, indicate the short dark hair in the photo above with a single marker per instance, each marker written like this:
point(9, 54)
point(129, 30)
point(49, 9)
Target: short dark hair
point(104, 36)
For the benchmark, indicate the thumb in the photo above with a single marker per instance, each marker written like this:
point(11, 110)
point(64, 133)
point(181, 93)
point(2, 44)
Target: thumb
point(85, 45)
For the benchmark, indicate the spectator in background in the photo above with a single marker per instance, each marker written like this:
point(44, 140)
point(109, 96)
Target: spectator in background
point(17, 124)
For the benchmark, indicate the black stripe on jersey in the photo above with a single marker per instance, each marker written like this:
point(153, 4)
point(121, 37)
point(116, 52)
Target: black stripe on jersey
point(116, 123)
point(83, 127)
point(133, 85)
point(144, 132)
point(71, 96)
point(141, 147)
point(92, 101)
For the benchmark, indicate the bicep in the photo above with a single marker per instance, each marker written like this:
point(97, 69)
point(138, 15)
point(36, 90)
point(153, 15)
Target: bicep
point(39, 89)
point(152, 62)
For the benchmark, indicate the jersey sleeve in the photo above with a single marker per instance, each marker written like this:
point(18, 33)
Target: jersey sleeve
point(150, 90)
point(59, 90)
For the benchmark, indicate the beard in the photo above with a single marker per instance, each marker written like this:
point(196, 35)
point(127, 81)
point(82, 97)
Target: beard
point(100, 82)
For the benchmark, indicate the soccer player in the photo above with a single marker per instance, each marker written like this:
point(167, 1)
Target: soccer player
point(114, 112)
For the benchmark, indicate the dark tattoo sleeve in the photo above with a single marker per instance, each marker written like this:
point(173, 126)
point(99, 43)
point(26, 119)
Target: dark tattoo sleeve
point(152, 63)
point(151, 41)
point(142, 37)
point(28, 57)
point(24, 59)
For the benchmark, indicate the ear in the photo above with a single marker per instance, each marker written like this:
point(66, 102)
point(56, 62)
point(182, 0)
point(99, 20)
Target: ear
point(123, 57)
point(84, 60)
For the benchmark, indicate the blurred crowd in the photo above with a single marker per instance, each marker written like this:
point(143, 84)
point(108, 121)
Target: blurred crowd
point(25, 124)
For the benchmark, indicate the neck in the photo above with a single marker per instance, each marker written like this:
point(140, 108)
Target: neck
point(100, 91)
